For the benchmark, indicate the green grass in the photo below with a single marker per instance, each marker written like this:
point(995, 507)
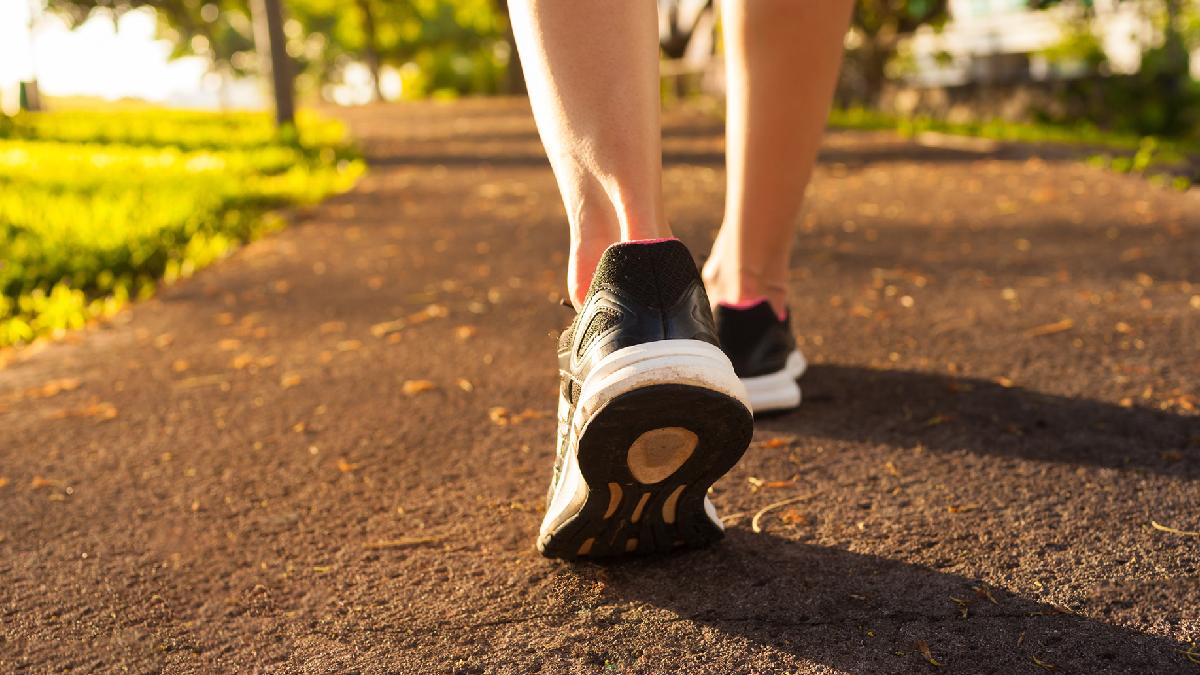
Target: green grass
point(1117, 151)
point(97, 208)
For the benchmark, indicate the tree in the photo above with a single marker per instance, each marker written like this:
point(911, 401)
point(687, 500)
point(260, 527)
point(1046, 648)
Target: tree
point(220, 30)
point(880, 25)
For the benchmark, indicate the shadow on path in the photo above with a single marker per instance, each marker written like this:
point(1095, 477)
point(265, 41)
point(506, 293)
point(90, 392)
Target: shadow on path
point(902, 408)
point(865, 614)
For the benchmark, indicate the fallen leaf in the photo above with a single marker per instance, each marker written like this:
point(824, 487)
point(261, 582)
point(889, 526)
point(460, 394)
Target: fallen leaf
point(773, 443)
point(414, 387)
point(1050, 328)
point(99, 409)
point(983, 592)
point(53, 388)
point(403, 541)
point(963, 606)
point(498, 415)
point(224, 319)
point(241, 361)
point(331, 327)
point(433, 311)
point(3, 481)
point(289, 380)
point(923, 647)
point(345, 467)
point(229, 344)
point(387, 327)
point(1042, 664)
point(756, 521)
point(1163, 528)
point(163, 341)
point(465, 384)
point(180, 365)
point(348, 345)
point(465, 332)
point(39, 482)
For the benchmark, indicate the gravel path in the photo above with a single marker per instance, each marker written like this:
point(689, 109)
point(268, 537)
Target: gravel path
point(329, 452)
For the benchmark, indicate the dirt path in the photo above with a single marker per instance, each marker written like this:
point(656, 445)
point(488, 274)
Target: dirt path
point(264, 469)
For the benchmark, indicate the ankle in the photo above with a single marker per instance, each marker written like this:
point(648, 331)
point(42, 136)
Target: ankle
point(585, 255)
point(744, 287)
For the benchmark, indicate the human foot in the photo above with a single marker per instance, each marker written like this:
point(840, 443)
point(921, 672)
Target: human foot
point(651, 412)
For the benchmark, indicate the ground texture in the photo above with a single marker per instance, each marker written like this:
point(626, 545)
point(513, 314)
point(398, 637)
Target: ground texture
point(330, 452)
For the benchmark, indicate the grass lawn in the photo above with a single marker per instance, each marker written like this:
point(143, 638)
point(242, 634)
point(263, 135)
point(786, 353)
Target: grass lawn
point(99, 207)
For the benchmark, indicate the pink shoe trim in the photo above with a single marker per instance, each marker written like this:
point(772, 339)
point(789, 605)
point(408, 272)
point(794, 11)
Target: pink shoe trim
point(649, 241)
point(752, 303)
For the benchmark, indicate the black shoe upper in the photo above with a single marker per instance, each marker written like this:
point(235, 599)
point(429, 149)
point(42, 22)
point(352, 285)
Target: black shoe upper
point(641, 292)
point(755, 339)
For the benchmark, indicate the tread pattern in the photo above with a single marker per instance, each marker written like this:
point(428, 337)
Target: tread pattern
point(634, 521)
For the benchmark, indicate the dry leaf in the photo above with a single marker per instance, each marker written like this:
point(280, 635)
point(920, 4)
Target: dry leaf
point(433, 311)
point(52, 388)
point(387, 327)
point(289, 380)
point(1050, 328)
point(163, 341)
point(498, 415)
point(98, 409)
point(1163, 528)
point(404, 541)
point(923, 647)
point(3, 481)
point(413, 387)
point(348, 345)
point(39, 482)
point(345, 467)
point(224, 319)
point(465, 384)
point(331, 327)
point(465, 332)
point(179, 365)
point(229, 344)
point(1042, 664)
point(241, 361)
point(774, 443)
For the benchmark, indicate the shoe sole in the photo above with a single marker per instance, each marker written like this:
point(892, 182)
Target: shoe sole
point(777, 391)
point(636, 480)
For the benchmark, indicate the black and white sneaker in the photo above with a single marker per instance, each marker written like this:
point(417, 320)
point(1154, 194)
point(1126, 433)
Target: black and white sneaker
point(650, 414)
point(764, 354)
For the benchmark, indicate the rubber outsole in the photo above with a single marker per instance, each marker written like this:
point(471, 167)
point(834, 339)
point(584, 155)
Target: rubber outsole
point(622, 515)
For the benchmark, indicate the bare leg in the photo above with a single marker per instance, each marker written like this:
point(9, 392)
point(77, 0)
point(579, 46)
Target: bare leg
point(592, 71)
point(782, 60)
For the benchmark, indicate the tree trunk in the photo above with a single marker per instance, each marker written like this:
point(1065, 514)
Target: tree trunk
point(272, 49)
point(515, 76)
point(875, 56)
point(371, 48)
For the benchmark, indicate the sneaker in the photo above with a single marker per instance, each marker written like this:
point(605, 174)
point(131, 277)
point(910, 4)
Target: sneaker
point(763, 351)
point(650, 411)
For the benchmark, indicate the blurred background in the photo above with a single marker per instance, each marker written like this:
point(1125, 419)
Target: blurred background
point(139, 141)
point(1128, 65)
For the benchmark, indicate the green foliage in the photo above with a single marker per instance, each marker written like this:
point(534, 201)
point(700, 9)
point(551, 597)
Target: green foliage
point(1126, 152)
point(96, 208)
point(445, 46)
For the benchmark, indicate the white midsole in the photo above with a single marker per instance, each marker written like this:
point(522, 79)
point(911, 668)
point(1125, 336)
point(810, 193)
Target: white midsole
point(690, 362)
point(778, 390)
